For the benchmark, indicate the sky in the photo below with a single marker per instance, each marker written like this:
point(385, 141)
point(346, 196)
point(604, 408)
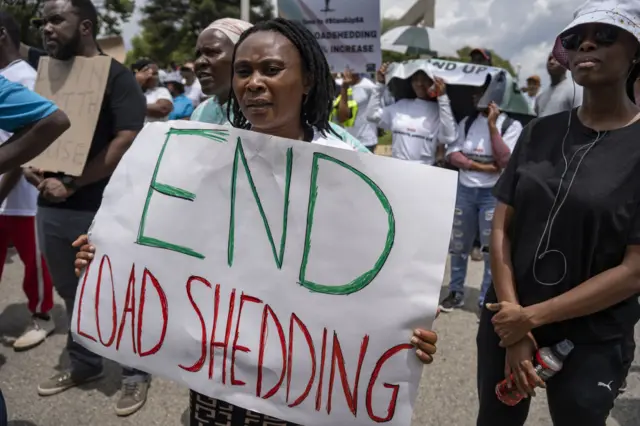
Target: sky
point(522, 31)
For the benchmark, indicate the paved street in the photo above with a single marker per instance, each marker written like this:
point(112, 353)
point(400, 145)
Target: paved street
point(447, 396)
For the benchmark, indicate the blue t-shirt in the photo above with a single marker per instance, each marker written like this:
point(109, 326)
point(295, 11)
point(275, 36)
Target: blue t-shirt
point(20, 107)
point(182, 108)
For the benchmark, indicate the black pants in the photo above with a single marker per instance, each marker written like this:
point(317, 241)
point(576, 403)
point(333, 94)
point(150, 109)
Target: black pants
point(628, 352)
point(206, 411)
point(582, 393)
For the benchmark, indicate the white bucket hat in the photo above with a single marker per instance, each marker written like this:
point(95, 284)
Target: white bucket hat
point(624, 14)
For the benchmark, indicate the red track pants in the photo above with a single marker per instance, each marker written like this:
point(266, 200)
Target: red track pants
point(37, 285)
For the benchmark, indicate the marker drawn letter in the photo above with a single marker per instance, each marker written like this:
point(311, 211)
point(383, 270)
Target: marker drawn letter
point(365, 279)
point(241, 157)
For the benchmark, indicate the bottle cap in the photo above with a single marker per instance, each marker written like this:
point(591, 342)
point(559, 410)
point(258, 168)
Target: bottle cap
point(562, 349)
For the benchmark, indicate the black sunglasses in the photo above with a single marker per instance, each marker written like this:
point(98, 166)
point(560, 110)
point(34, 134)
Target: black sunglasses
point(603, 35)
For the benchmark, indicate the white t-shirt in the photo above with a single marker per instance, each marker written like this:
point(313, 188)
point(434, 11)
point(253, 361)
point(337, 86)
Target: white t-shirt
point(564, 96)
point(476, 145)
point(153, 96)
point(417, 126)
point(362, 129)
point(23, 199)
point(331, 140)
point(194, 92)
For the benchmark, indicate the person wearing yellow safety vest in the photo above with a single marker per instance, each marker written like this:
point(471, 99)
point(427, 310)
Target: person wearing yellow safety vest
point(351, 105)
point(350, 108)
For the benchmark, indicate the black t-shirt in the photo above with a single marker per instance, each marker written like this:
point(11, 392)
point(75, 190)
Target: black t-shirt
point(598, 220)
point(206, 411)
point(123, 108)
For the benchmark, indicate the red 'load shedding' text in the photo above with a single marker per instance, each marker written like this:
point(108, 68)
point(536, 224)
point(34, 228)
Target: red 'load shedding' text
point(224, 335)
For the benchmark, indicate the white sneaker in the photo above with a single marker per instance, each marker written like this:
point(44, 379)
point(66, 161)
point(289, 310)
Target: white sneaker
point(35, 334)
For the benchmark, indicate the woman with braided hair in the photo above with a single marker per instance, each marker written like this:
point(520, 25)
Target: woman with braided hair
point(281, 86)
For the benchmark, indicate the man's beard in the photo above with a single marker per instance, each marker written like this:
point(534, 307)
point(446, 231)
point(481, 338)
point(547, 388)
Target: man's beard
point(69, 49)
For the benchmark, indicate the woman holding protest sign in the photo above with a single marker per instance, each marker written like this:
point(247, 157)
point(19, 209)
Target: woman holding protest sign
point(565, 247)
point(214, 49)
point(275, 63)
point(421, 118)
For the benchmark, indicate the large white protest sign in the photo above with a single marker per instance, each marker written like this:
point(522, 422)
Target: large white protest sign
point(348, 31)
point(280, 276)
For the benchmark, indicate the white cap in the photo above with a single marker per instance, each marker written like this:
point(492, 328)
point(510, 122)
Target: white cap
point(624, 14)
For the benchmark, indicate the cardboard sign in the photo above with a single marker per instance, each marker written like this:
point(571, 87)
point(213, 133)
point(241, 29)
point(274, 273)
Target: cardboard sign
point(348, 31)
point(114, 47)
point(280, 276)
point(77, 87)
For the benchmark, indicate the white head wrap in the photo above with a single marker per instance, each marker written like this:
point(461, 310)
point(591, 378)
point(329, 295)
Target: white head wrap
point(231, 27)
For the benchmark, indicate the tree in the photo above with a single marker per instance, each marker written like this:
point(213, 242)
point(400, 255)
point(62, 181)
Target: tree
point(112, 13)
point(170, 28)
point(498, 61)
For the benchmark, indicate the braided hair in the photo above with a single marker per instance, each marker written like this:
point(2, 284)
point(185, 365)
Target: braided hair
point(317, 105)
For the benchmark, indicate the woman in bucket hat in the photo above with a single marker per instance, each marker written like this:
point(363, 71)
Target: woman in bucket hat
point(566, 234)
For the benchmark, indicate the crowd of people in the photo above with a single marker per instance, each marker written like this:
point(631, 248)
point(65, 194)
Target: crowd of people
point(552, 206)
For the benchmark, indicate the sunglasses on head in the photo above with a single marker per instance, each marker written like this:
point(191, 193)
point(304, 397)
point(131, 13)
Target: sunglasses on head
point(602, 35)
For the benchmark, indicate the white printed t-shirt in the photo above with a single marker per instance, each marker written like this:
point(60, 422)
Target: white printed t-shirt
point(362, 129)
point(153, 96)
point(476, 146)
point(417, 126)
point(23, 199)
point(331, 140)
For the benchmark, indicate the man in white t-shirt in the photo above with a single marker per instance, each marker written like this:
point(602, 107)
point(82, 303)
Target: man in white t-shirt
point(159, 99)
point(18, 206)
point(353, 117)
point(192, 88)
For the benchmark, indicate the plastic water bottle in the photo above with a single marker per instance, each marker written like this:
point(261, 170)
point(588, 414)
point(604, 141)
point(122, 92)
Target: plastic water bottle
point(547, 362)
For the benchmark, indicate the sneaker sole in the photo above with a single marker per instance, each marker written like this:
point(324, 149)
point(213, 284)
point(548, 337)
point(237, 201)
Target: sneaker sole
point(55, 391)
point(124, 412)
point(449, 310)
point(33, 345)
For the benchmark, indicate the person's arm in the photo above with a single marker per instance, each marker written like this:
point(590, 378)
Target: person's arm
point(447, 127)
point(500, 252)
point(127, 109)
point(456, 158)
point(502, 146)
point(163, 106)
point(34, 121)
point(597, 293)
point(344, 112)
point(376, 113)
point(9, 181)
point(501, 265)
point(32, 140)
point(594, 295)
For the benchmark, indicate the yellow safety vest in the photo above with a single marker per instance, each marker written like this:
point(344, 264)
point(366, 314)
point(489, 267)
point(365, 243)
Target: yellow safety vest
point(351, 104)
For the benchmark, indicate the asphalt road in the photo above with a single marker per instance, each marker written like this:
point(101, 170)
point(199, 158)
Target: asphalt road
point(447, 394)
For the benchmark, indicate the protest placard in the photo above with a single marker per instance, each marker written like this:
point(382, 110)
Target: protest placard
point(113, 46)
point(348, 31)
point(77, 87)
point(280, 276)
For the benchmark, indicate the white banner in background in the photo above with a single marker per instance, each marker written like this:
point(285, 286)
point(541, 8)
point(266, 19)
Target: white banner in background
point(454, 73)
point(348, 31)
point(280, 276)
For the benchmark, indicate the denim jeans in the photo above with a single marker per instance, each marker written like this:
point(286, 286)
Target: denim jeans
point(473, 216)
point(57, 229)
